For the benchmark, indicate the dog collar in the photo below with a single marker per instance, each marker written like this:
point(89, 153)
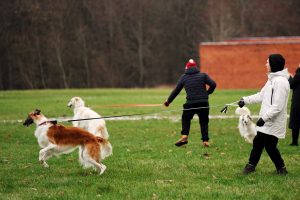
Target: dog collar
point(54, 122)
point(43, 123)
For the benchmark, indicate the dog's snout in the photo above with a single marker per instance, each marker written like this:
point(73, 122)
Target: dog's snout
point(25, 124)
point(28, 121)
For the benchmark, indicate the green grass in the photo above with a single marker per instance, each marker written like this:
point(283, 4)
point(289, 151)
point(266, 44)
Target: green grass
point(145, 164)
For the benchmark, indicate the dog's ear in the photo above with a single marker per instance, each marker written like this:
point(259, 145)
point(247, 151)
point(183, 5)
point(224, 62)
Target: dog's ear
point(249, 117)
point(37, 111)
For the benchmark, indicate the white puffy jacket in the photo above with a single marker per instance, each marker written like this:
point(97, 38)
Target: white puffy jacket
point(273, 98)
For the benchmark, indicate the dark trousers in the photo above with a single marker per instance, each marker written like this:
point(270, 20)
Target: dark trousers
point(269, 142)
point(295, 136)
point(187, 116)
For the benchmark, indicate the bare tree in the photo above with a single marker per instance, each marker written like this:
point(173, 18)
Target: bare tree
point(40, 64)
point(123, 43)
point(220, 21)
point(57, 45)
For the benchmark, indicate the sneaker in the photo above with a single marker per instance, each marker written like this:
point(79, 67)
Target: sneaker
point(249, 169)
point(282, 171)
point(182, 141)
point(205, 143)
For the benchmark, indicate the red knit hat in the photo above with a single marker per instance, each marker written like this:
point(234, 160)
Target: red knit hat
point(190, 64)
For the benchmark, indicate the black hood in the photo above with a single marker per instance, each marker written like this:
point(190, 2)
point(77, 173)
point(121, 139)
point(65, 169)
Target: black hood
point(276, 62)
point(192, 70)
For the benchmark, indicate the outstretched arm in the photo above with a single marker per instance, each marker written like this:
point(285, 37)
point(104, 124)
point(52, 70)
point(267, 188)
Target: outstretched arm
point(175, 92)
point(255, 98)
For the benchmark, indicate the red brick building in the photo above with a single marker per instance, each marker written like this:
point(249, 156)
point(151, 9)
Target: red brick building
point(240, 63)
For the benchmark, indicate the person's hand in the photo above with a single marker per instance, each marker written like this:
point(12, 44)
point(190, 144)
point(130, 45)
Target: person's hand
point(260, 122)
point(166, 103)
point(241, 103)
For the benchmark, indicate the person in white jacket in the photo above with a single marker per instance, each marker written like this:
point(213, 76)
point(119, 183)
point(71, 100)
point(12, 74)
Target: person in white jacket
point(271, 124)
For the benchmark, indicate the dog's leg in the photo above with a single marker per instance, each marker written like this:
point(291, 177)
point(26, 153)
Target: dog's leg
point(100, 167)
point(45, 154)
point(248, 139)
point(251, 138)
point(82, 160)
point(103, 168)
point(87, 157)
point(76, 123)
point(81, 148)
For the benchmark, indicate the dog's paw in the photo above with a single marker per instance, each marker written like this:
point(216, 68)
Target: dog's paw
point(102, 169)
point(248, 140)
point(44, 164)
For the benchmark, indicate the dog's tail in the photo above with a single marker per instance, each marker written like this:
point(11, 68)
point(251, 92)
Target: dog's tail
point(106, 148)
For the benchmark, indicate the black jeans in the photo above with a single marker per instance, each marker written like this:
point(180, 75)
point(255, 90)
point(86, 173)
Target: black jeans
point(187, 116)
point(269, 142)
point(295, 136)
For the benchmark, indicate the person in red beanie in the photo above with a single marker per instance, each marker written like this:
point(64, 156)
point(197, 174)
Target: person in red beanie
point(194, 82)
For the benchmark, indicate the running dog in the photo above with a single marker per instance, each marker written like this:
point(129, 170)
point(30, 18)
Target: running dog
point(246, 126)
point(95, 126)
point(57, 139)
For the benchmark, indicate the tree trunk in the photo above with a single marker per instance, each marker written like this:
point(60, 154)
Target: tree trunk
point(60, 62)
point(85, 60)
point(141, 53)
point(41, 70)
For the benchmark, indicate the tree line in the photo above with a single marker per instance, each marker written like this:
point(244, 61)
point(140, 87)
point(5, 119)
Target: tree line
point(124, 43)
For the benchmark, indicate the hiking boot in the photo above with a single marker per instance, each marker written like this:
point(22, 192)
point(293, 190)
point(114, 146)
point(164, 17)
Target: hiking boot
point(205, 143)
point(282, 171)
point(182, 141)
point(249, 169)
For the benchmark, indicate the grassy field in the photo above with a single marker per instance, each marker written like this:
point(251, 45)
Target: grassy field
point(145, 162)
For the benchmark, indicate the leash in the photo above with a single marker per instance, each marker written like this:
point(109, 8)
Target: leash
point(128, 105)
point(106, 117)
point(118, 116)
point(55, 120)
point(224, 110)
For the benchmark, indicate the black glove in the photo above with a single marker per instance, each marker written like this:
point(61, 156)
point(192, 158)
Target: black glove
point(166, 103)
point(260, 122)
point(241, 103)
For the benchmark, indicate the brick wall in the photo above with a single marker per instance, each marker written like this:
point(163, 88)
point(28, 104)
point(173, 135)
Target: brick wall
point(241, 63)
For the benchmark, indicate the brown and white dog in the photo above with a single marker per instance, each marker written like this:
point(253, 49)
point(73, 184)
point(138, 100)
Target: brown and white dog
point(57, 139)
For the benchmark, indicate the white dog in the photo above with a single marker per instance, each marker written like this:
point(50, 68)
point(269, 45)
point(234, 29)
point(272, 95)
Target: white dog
point(95, 126)
point(246, 126)
point(57, 139)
